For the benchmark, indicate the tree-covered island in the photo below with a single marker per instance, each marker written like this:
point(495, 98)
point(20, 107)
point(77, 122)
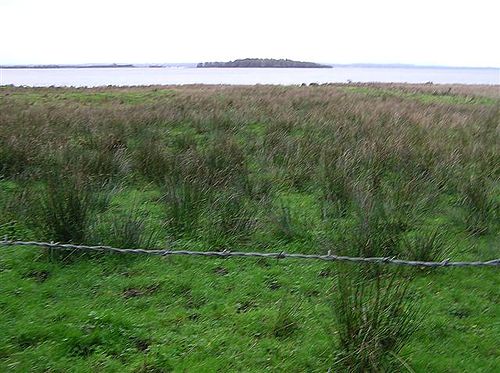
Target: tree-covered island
point(263, 62)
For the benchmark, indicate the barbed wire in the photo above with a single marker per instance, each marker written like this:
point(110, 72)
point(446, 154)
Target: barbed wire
point(276, 255)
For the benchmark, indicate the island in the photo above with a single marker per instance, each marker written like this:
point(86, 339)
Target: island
point(263, 62)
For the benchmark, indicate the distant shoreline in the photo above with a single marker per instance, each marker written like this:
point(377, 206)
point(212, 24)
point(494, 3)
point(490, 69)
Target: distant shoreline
point(194, 65)
point(65, 66)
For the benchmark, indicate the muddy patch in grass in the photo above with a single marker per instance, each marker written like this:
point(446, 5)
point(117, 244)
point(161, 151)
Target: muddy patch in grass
point(139, 292)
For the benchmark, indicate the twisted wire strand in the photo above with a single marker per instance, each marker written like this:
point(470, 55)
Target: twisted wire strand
point(276, 255)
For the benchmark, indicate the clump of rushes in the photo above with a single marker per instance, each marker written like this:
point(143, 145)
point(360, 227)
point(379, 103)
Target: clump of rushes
point(128, 230)
point(376, 232)
point(229, 219)
point(335, 189)
point(152, 160)
point(66, 204)
point(184, 141)
point(107, 163)
point(479, 205)
point(225, 164)
point(15, 214)
point(288, 226)
point(16, 156)
point(425, 247)
point(375, 318)
point(410, 198)
point(184, 200)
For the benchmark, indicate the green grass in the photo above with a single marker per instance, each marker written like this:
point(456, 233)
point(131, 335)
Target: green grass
point(427, 98)
point(85, 97)
point(200, 314)
point(270, 169)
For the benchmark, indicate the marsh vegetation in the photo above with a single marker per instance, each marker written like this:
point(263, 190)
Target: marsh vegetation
point(361, 170)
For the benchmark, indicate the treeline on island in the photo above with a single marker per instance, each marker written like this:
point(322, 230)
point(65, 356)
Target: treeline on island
point(263, 62)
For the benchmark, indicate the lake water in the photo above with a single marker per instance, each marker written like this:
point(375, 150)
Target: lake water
point(92, 77)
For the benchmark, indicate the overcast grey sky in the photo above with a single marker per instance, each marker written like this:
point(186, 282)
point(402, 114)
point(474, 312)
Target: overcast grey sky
point(424, 32)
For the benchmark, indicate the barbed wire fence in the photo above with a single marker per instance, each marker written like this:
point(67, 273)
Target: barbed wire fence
point(231, 254)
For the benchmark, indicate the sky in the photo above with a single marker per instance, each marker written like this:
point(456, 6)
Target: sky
point(424, 32)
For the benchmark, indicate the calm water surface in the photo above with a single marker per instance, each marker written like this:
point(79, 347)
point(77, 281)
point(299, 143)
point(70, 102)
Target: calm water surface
point(92, 77)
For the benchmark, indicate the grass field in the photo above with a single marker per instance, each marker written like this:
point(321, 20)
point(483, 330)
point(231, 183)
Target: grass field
point(410, 171)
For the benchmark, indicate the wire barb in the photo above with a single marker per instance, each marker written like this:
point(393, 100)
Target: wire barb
point(279, 255)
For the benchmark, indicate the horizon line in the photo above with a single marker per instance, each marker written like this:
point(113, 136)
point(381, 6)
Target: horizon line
point(160, 64)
